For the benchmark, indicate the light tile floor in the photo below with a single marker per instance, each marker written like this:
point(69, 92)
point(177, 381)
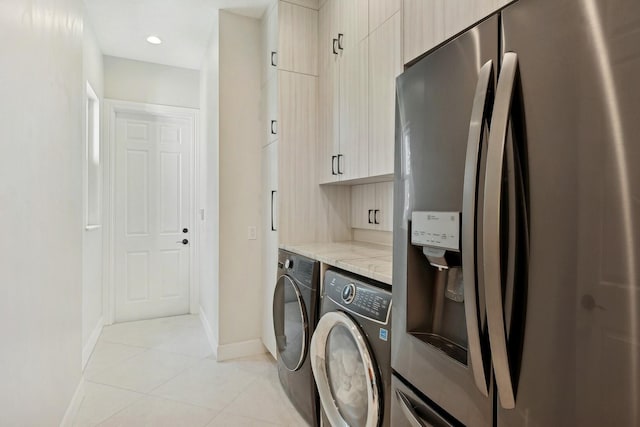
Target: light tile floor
point(161, 373)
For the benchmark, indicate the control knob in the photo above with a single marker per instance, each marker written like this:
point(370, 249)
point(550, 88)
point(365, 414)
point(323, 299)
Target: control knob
point(349, 293)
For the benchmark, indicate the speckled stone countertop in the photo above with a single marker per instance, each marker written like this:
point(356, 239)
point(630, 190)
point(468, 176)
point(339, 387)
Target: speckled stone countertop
point(366, 259)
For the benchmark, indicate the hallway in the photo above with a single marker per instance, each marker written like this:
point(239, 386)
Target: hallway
point(161, 372)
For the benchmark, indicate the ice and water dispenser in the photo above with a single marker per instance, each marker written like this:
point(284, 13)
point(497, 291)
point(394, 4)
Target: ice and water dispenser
point(435, 289)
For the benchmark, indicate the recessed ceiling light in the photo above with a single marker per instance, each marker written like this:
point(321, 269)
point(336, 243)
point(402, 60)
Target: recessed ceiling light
point(154, 40)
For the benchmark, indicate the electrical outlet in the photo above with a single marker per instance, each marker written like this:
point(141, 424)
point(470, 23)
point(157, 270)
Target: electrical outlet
point(252, 233)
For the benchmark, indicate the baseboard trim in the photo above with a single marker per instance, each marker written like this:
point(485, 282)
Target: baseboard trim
point(208, 330)
point(91, 342)
point(240, 349)
point(74, 405)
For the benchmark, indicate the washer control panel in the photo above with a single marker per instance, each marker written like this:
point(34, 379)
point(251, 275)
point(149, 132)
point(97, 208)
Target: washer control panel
point(357, 296)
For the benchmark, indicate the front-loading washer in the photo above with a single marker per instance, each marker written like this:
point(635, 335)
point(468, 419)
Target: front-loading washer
point(351, 351)
point(295, 314)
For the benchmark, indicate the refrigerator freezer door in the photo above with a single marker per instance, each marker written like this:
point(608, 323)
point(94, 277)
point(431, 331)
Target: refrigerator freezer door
point(579, 96)
point(431, 343)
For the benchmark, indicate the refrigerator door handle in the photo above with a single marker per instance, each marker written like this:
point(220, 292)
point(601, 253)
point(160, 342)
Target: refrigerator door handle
point(481, 108)
point(491, 230)
point(409, 413)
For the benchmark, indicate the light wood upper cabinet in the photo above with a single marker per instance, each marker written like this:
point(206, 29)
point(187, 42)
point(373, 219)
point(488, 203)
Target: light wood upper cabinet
point(297, 157)
point(380, 11)
point(385, 64)
point(372, 206)
point(312, 4)
point(328, 124)
point(353, 161)
point(298, 38)
point(427, 23)
point(362, 206)
point(269, 101)
point(269, 33)
point(353, 19)
point(384, 205)
point(327, 31)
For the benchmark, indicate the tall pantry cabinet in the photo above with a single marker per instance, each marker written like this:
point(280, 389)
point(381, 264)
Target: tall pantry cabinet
point(294, 208)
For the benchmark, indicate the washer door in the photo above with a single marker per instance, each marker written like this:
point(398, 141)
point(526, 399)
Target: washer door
point(290, 323)
point(346, 375)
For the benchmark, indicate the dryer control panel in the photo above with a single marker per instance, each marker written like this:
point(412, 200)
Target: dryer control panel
point(368, 300)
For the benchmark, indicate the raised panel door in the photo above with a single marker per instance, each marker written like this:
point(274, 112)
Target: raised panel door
point(298, 39)
point(152, 207)
point(354, 114)
point(385, 64)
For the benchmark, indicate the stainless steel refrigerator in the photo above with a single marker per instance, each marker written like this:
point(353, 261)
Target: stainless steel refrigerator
point(517, 222)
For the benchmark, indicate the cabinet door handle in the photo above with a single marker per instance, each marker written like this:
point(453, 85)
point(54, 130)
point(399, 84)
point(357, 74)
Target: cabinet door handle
point(333, 165)
point(335, 46)
point(340, 36)
point(340, 171)
point(370, 212)
point(375, 216)
point(273, 213)
point(274, 127)
point(274, 59)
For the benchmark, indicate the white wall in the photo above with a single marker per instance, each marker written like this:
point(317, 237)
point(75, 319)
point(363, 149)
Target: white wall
point(40, 197)
point(240, 176)
point(230, 275)
point(92, 271)
point(209, 172)
point(138, 81)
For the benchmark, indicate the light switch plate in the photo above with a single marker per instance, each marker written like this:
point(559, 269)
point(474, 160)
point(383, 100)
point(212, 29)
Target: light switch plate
point(252, 233)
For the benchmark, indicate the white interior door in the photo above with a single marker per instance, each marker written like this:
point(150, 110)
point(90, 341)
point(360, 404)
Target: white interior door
point(152, 212)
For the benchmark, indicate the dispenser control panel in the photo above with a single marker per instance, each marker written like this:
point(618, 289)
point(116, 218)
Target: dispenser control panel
point(436, 229)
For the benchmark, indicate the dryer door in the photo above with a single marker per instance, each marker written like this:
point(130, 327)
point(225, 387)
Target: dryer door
point(290, 323)
point(345, 371)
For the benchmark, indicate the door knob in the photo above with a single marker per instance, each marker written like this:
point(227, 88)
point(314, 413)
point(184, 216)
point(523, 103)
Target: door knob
point(183, 241)
point(185, 230)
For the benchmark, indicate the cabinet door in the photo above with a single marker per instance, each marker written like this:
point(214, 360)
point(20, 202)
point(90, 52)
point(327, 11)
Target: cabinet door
point(329, 124)
point(385, 64)
point(354, 124)
point(384, 206)
point(269, 30)
point(270, 108)
point(353, 22)
point(297, 159)
point(362, 206)
point(429, 23)
point(327, 31)
point(380, 11)
point(269, 239)
point(298, 39)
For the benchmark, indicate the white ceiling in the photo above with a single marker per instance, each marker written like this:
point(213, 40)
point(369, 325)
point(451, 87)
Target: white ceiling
point(185, 27)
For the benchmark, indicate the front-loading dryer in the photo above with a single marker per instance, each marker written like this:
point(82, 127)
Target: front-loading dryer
point(295, 314)
point(351, 351)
